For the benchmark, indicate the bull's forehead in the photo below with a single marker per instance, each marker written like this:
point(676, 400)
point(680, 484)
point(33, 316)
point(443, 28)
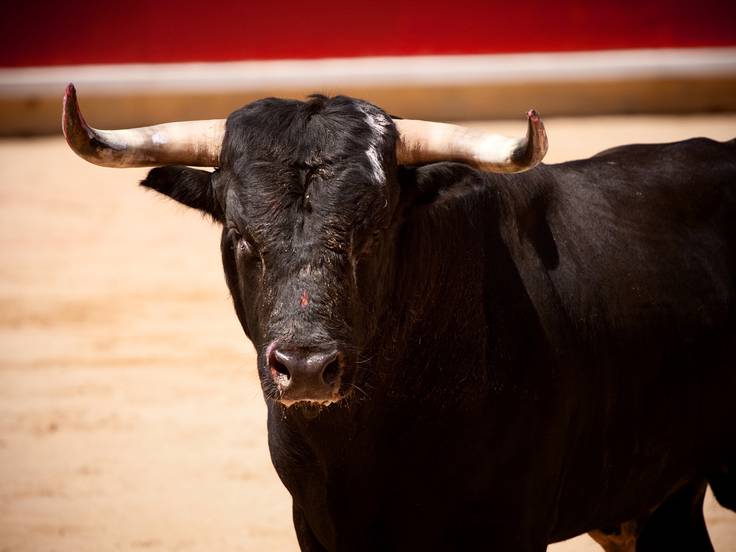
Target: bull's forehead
point(327, 204)
point(316, 167)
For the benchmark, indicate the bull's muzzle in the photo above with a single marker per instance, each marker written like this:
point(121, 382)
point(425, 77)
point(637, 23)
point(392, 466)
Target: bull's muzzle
point(306, 374)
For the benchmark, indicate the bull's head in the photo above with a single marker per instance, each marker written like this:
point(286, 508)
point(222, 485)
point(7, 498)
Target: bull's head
point(309, 201)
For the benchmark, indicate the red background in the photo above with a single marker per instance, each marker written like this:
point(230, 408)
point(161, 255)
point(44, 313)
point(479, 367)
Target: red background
point(106, 31)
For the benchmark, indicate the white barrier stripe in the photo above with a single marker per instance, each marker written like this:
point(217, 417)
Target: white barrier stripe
point(371, 72)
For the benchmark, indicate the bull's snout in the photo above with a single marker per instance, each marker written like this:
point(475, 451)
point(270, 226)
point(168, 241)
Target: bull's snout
point(306, 374)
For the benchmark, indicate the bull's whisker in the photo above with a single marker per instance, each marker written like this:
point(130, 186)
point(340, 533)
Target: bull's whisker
point(354, 386)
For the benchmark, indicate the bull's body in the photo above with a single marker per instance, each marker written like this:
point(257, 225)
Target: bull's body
point(558, 357)
point(455, 360)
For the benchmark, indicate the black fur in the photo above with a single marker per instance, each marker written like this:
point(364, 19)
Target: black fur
point(530, 356)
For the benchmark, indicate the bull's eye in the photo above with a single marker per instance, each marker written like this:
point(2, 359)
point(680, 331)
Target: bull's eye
point(369, 243)
point(244, 247)
point(240, 244)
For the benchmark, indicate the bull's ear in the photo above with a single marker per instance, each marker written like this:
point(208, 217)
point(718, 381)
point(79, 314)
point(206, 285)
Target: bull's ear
point(430, 184)
point(192, 187)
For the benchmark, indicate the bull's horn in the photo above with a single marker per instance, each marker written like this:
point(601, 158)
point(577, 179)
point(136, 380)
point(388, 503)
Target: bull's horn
point(195, 143)
point(424, 142)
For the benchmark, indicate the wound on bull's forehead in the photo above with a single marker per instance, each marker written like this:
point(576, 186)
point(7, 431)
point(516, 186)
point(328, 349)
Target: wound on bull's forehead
point(304, 299)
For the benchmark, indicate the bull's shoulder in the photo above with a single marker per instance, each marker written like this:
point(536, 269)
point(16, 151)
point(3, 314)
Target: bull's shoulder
point(645, 236)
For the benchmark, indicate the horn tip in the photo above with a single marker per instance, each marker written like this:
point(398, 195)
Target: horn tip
point(77, 133)
point(533, 148)
point(70, 110)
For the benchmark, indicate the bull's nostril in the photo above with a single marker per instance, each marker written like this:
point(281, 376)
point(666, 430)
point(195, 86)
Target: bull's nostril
point(331, 372)
point(279, 368)
point(278, 362)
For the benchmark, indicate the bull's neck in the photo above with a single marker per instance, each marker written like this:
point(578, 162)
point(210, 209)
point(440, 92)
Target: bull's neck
point(436, 319)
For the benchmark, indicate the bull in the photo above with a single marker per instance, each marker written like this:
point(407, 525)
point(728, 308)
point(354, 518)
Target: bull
point(457, 352)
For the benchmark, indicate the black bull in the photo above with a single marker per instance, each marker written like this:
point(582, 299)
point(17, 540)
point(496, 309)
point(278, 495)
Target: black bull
point(506, 360)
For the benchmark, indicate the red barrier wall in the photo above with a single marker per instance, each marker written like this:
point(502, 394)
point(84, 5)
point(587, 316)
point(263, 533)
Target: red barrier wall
point(106, 31)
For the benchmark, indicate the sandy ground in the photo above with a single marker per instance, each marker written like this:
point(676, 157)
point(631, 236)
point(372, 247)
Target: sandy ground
point(130, 413)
